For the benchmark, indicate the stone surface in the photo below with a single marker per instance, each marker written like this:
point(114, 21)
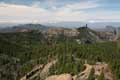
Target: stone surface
point(60, 77)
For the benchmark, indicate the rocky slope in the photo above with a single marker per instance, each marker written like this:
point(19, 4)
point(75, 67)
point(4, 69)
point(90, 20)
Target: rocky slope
point(99, 68)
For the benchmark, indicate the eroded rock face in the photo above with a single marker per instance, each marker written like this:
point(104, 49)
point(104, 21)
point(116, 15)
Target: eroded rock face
point(103, 68)
point(99, 68)
point(60, 77)
point(58, 31)
point(45, 72)
point(40, 70)
point(85, 74)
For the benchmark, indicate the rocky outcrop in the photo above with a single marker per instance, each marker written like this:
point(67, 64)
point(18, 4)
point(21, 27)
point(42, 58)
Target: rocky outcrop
point(98, 68)
point(85, 74)
point(33, 73)
point(62, 31)
point(45, 72)
point(40, 70)
point(60, 77)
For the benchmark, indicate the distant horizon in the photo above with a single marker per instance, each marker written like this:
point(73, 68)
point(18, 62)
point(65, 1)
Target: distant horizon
point(68, 24)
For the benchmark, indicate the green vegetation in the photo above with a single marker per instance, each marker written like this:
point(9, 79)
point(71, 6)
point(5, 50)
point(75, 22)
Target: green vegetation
point(22, 51)
point(87, 35)
point(91, 76)
point(101, 77)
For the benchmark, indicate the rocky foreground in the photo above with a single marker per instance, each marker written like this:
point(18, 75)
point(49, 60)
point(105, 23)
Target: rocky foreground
point(42, 71)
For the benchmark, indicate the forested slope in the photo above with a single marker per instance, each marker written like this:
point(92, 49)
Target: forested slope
point(20, 52)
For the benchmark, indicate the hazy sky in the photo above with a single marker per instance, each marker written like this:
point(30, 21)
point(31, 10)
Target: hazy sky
point(59, 10)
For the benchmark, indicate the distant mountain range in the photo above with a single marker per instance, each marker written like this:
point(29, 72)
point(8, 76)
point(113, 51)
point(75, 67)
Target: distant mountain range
point(90, 24)
point(23, 27)
point(71, 24)
point(98, 26)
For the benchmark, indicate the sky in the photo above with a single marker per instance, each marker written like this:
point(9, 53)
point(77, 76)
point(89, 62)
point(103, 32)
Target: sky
point(52, 11)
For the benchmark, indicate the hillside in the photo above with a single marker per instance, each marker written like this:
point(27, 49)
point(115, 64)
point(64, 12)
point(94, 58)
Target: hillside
point(23, 52)
point(88, 35)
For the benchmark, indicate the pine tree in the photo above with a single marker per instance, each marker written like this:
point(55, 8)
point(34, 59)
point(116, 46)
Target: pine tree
point(101, 77)
point(91, 76)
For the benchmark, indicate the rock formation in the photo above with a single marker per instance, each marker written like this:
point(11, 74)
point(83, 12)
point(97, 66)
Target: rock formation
point(60, 77)
point(98, 68)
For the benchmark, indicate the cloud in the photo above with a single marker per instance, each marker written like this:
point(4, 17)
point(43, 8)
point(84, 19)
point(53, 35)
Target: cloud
point(74, 11)
point(11, 12)
point(19, 10)
point(82, 5)
point(69, 12)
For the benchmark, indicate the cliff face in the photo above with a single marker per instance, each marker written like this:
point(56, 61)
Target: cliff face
point(61, 31)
